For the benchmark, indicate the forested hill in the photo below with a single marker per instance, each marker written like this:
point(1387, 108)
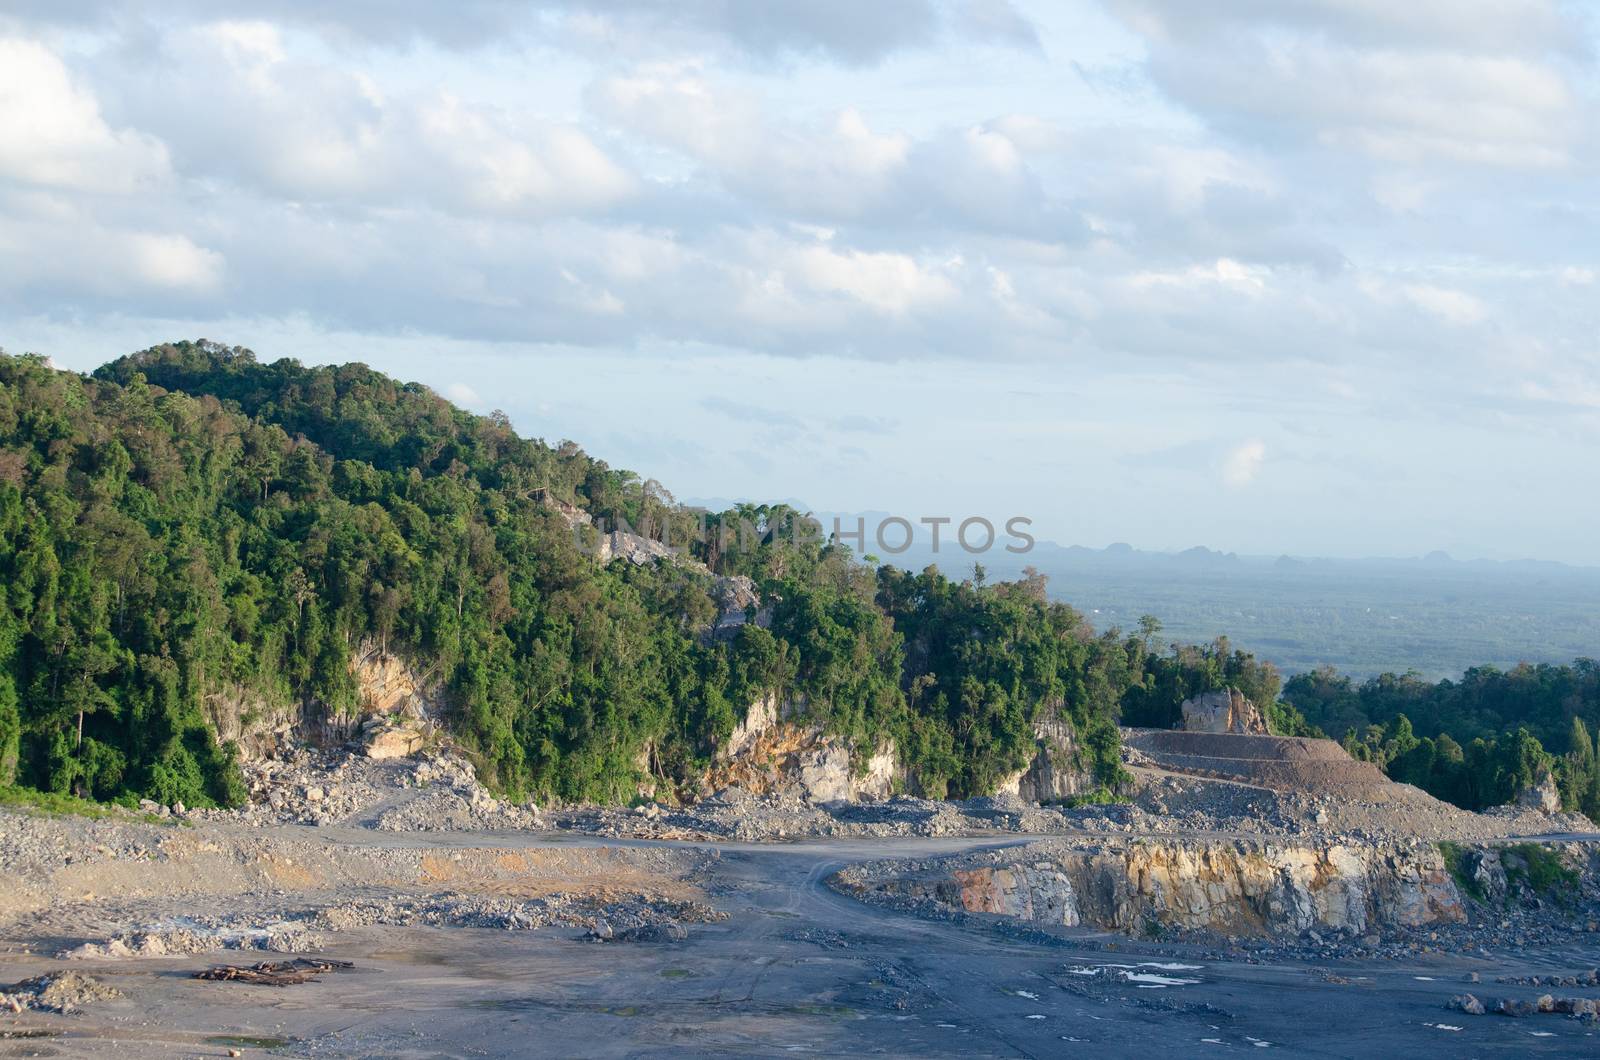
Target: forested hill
point(189, 524)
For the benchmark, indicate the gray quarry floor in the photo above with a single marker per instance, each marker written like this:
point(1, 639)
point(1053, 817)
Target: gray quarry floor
point(798, 969)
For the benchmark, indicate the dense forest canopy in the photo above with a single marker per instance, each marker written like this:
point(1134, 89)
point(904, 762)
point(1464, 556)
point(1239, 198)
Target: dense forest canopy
point(1477, 741)
point(189, 525)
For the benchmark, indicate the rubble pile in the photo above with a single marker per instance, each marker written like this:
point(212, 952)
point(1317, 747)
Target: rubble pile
point(512, 914)
point(65, 993)
point(1581, 1008)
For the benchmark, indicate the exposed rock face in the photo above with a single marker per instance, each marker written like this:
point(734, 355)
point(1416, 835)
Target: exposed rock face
point(1488, 873)
point(1226, 711)
point(257, 725)
point(1234, 887)
point(762, 716)
point(398, 705)
point(1054, 773)
point(1542, 796)
point(389, 684)
point(737, 603)
point(637, 550)
point(769, 753)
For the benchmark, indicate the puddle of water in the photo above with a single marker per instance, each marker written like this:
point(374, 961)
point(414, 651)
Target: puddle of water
point(677, 973)
point(1036, 1016)
point(1151, 979)
point(1170, 966)
point(246, 1041)
point(1026, 994)
point(1542, 1034)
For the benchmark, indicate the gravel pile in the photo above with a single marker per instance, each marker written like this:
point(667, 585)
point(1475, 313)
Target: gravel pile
point(733, 814)
point(202, 934)
point(467, 808)
point(61, 992)
point(435, 791)
point(512, 914)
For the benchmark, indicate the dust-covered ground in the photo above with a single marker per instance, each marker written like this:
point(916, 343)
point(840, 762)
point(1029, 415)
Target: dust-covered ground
point(773, 961)
point(479, 928)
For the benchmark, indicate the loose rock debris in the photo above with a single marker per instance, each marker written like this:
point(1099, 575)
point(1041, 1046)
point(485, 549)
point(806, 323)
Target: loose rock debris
point(275, 973)
point(62, 992)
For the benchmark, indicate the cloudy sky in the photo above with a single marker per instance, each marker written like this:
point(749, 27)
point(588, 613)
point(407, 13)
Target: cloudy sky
point(1315, 276)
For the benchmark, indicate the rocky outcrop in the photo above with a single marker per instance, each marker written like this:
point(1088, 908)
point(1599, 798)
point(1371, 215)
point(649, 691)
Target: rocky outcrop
point(257, 725)
point(773, 751)
point(1225, 711)
point(737, 603)
point(398, 706)
point(1232, 887)
point(1054, 773)
point(1542, 796)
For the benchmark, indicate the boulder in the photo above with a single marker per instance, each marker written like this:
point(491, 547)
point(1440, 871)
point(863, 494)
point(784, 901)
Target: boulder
point(398, 741)
point(1468, 1004)
point(1542, 796)
point(1227, 711)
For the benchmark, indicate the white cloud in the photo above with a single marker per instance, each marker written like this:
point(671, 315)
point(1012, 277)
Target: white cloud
point(841, 168)
point(84, 261)
point(173, 261)
point(1243, 464)
point(1224, 272)
point(1451, 306)
point(52, 133)
point(315, 130)
point(1471, 82)
point(894, 284)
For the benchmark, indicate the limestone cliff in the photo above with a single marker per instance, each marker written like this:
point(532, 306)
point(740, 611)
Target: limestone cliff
point(1233, 887)
point(1224, 711)
point(398, 706)
point(774, 751)
point(1055, 772)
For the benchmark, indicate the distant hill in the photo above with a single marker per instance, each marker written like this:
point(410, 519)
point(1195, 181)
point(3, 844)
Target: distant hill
point(193, 541)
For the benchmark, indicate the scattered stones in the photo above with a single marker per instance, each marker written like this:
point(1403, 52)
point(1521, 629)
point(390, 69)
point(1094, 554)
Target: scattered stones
point(1518, 1008)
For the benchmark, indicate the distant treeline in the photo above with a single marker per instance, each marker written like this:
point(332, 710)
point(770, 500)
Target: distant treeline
point(1475, 742)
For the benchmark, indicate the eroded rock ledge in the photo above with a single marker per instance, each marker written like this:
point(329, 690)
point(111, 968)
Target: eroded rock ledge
point(1234, 887)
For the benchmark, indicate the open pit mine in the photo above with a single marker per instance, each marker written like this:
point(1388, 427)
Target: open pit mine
point(373, 899)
